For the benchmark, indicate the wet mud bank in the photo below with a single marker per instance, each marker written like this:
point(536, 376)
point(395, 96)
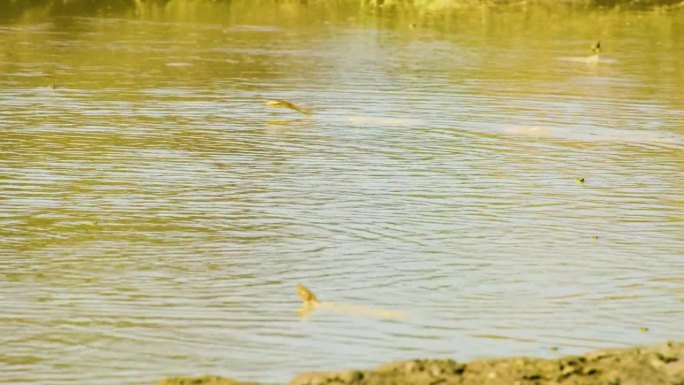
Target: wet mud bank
point(659, 364)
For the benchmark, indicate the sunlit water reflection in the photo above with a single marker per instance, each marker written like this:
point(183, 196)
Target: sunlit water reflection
point(155, 216)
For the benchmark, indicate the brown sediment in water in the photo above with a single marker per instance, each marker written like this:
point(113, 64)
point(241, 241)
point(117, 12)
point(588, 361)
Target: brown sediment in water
point(659, 364)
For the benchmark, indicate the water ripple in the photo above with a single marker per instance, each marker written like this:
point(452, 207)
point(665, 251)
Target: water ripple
point(155, 215)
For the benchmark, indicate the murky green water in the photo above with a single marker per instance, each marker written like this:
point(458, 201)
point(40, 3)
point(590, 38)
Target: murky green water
point(155, 216)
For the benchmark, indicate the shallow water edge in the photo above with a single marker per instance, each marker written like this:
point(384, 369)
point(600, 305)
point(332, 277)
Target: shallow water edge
point(657, 364)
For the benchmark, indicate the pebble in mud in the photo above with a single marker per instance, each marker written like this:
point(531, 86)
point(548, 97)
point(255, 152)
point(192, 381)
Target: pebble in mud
point(351, 376)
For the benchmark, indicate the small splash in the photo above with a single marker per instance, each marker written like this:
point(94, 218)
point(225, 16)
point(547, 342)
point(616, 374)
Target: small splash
point(528, 130)
point(382, 121)
point(252, 28)
point(178, 64)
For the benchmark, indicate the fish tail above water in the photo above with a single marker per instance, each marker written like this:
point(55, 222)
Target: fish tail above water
point(595, 52)
point(285, 104)
point(306, 295)
point(311, 303)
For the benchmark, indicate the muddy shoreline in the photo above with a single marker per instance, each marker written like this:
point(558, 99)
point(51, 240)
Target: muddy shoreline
point(657, 364)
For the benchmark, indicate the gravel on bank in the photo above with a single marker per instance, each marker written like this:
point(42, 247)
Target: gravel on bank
point(660, 364)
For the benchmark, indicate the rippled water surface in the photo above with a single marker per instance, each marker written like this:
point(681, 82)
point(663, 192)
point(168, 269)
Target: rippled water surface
point(155, 215)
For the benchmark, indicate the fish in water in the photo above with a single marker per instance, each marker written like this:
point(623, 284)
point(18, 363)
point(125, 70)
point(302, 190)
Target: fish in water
point(307, 295)
point(285, 104)
point(311, 303)
point(595, 51)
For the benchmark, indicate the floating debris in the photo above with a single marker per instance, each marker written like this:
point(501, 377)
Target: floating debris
point(279, 103)
point(579, 180)
point(594, 237)
point(643, 329)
